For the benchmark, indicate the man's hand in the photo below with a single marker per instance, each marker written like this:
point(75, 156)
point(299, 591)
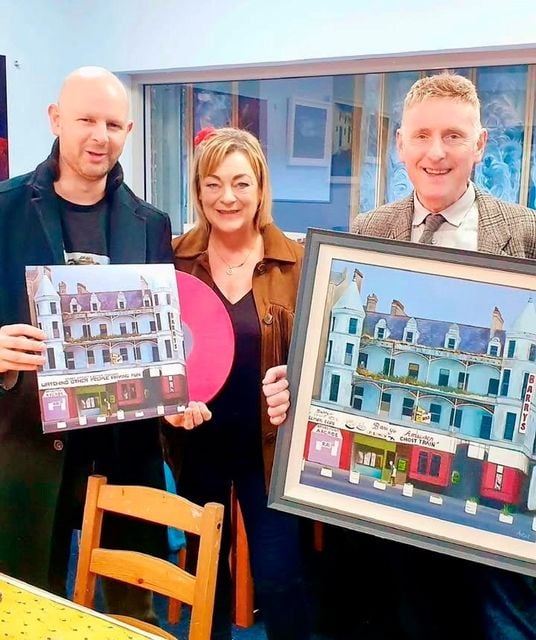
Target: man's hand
point(21, 347)
point(195, 414)
point(275, 388)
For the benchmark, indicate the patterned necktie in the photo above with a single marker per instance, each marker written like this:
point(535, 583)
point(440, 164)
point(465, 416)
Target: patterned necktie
point(431, 224)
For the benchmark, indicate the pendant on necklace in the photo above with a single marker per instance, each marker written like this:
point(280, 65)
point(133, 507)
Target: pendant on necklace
point(229, 271)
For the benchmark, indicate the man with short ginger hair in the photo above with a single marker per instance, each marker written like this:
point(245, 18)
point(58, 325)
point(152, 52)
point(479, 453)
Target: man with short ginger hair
point(440, 140)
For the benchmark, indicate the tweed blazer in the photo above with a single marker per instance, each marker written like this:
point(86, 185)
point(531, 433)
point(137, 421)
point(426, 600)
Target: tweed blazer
point(503, 228)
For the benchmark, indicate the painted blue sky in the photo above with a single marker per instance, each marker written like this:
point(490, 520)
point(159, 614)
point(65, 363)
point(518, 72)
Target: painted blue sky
point(111, 277)
point(439, 297)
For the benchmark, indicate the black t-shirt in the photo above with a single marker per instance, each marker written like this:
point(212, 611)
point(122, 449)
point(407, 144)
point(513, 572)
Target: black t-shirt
point(85, 232)
point(85, 241)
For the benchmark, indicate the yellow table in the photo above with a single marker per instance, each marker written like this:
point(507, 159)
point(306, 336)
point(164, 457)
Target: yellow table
point(29, 613)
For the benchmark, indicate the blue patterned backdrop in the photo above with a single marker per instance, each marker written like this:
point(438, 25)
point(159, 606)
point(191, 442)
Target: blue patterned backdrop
point(502, 92)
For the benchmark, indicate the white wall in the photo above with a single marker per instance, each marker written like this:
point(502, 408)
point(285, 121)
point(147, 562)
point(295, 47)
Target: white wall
point(51, 37)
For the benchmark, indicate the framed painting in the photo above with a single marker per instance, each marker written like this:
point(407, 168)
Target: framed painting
point(309, 132)
point(345, 140)
point(253, 116)
point(4, 164)
point(413, 412)
point(211, 109)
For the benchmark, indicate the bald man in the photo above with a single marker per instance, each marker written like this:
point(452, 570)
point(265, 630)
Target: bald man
point(73, 208)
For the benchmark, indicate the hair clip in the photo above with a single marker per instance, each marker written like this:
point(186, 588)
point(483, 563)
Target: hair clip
point(204, 134)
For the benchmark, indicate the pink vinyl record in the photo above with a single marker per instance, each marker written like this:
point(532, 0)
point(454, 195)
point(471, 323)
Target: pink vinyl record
point(208, 337)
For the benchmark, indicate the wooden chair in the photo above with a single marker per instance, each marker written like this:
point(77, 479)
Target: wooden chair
point(143, 570)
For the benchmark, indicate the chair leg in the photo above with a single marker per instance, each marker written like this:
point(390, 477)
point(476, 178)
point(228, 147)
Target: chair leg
point(242, 579)
point(318, 536)
point(175, 606)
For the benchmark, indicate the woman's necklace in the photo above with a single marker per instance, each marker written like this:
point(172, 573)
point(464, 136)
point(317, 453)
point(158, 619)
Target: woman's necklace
point(230, 267)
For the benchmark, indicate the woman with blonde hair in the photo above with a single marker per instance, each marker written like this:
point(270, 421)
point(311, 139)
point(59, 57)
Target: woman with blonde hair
point(254, 268)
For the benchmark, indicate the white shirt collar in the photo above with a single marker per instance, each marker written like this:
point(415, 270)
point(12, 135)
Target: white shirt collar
point(454, 214)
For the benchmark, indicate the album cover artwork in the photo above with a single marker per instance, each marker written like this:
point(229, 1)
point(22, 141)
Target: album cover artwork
point(114, 347)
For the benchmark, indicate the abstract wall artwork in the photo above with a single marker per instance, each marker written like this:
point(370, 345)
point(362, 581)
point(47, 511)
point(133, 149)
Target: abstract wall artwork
point(413, 410)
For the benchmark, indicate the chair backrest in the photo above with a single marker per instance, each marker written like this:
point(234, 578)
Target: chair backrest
point(143, 570)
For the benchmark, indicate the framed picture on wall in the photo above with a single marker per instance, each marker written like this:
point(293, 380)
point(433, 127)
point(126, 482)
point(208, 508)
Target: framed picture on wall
point(412, 413)
point(309, 132)
point(211, 109)
point(4, 163)
point(346, 131)
point(252, 116)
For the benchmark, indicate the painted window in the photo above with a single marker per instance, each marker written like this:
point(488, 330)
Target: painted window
point(348, 353)
point(357, 400)
point(524, 385)
point(69, 360)
point(385, 402)
point(499, 477)
point(509, 425)
point(334, 388)
point(413, 370)
point(380, 330)
point(95, 303)
point(452, 338)
point(410, 331)
point(407, 407)
point(169, 352)
point(443, 378)
point(505, 382)
point(494, 347)
point(51, 358)
point(485, 427)
point(456, 418)
point(388, 366)
point(511, 348)
point(493, 386)
point(435, 412)
point(352, 326)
